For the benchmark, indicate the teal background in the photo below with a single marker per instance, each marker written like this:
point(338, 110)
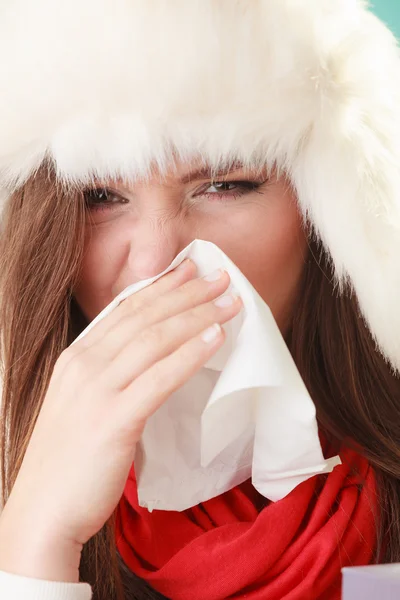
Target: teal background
point(388, 11)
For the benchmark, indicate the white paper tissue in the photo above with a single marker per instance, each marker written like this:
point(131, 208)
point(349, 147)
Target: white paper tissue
point(246, 414)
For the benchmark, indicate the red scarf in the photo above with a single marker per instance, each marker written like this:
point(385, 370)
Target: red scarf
point(239, 545)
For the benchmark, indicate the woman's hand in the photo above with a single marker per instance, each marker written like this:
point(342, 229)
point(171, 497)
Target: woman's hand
point(103, 389)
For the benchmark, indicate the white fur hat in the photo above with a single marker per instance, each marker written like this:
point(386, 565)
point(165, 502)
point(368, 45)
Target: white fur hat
point(107, 87)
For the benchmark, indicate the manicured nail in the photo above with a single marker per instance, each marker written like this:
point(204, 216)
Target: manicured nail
point(224, 301)
point(211, 334)
point(184, 264)
point(214, 276)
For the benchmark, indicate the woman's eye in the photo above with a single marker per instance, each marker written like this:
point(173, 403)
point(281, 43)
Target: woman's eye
point(102, 199)
point(222, 186)
point(231, 189)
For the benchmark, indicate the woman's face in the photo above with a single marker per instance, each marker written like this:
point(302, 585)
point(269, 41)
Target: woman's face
point(134, 231)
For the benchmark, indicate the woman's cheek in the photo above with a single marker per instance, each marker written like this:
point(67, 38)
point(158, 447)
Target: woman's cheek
point(271, 253)
point(278, 283)
point(104, 260)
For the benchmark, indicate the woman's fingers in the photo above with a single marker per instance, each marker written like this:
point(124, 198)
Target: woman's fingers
point(192, 293)
point(184, 272)
point(169, 281)
point(149, 391)
point(154, 343)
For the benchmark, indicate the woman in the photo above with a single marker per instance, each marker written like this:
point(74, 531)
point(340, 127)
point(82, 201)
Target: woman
point(270, 128)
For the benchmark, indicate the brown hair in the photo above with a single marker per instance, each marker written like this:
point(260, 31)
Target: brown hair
point(41, 246)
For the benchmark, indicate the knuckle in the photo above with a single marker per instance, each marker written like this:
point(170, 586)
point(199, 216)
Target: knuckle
point(132, 304)
point(78, 369)
point(151, 336)
point(65, 358)
point(124, 323)
point(191, 289)
point(188, 353)
point(205, 313)
point(199, 320)
point(73, 365)
point(190, 322)
point(159, 379)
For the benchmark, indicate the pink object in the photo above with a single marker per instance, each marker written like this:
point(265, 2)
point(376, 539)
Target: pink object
point(378, 582)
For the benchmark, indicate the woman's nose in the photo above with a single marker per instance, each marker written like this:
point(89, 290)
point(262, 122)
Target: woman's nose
point(154, 245)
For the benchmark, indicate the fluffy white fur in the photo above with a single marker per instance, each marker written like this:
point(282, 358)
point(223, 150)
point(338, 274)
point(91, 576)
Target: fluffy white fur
point(107, 88)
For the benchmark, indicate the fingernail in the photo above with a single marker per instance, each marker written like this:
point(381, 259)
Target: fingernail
point(184, 264)
point(211, 334)
point(214, 276)
point(224, 301)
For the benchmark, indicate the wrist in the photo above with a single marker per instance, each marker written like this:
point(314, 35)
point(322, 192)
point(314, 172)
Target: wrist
point(32, 551)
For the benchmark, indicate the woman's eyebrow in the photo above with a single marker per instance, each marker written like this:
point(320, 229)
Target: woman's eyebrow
point(208, 172)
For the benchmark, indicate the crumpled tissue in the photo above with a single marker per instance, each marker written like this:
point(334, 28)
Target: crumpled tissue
point(246, 413)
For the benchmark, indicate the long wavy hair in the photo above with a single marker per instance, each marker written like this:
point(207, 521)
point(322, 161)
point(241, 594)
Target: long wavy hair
point(41, 246)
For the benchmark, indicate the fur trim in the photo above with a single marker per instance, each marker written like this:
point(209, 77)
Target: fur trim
point(109, 88)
